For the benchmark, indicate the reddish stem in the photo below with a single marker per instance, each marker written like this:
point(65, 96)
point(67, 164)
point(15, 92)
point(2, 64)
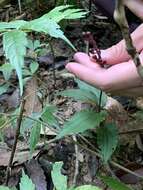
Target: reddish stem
point(95, 51)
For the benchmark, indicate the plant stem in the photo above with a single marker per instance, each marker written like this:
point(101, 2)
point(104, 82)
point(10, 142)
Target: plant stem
point(76, 162)
point(19, 4)
point(54, 70)
point(100, 101)
point(120, 18)
point(90, 5)
point(131, 131)
point(19, 121)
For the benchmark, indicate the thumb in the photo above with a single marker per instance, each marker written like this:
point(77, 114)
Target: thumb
point(115, 54)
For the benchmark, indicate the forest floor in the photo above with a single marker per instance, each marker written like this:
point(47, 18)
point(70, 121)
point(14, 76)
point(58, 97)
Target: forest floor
point(130, 151)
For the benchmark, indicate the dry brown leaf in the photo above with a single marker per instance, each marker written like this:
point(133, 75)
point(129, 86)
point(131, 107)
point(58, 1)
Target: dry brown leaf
point(116, 110)
point(36, 173)
point(19, 158)
point(32, 102)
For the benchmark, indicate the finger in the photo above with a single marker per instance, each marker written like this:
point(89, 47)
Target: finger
point(84, 59)
point(87, 74)
point(118, 77)
point(118, 53)
point(123, 76)
point(136, 6)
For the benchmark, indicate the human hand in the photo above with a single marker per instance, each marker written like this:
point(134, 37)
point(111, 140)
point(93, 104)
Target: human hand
point(136, 6)
point(121, 78)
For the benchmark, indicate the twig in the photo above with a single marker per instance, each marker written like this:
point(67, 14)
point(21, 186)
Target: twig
point(120, 18)
point(19, 121)
point(131, 131)
point(90, 6)
point(54, 70)
point(19, 5)
point(110, 171)
point(100, 101)
point(76, 162)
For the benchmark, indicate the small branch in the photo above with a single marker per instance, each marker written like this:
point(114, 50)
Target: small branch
point(131, 131)
point(90, 6)
point(54, 70)
point(76, 162)
point(19, 121)
point(110, 171)
point(100, 101)
point(120, 18)
point(19, 5)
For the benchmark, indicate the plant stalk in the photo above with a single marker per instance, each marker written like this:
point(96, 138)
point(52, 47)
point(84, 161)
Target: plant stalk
point(17, 133)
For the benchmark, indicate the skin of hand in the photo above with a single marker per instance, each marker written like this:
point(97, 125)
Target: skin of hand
point(136, 6)
point(121, 77)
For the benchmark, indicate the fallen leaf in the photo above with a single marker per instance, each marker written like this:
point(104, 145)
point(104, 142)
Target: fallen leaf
point(36, 174)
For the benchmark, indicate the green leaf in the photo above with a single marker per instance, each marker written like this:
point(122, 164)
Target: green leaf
point(11, 25)
point(6, 69)
point(37, 44)
point(87, 187)
point(65, 12)
point(84, 86)
point(33, 45)
point(30, 44)
point(107, 139)
point(14, 44)
point(7, 188)
point(59, 180)
point(80, 94)
point(4, 188)
point(47, 115)
point(34, 67)
point(13, 188)
point(47, 26)
point(3, 120)
point(114, 184)
point(82, 121)
point(34, 136)
point(26, 183)
point(3, 88)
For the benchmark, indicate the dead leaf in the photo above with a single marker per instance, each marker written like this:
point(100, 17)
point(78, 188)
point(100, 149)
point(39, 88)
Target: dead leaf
point(32, 102)
point(14, 99)
point(129, 178)
point(36, 173)
point(116, 110)
point(19, 158)
point(15, 176)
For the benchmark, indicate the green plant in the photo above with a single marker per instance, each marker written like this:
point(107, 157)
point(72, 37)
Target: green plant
point(16, 44)
point(15, 34)
point(60, 181)
point(91, 119)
